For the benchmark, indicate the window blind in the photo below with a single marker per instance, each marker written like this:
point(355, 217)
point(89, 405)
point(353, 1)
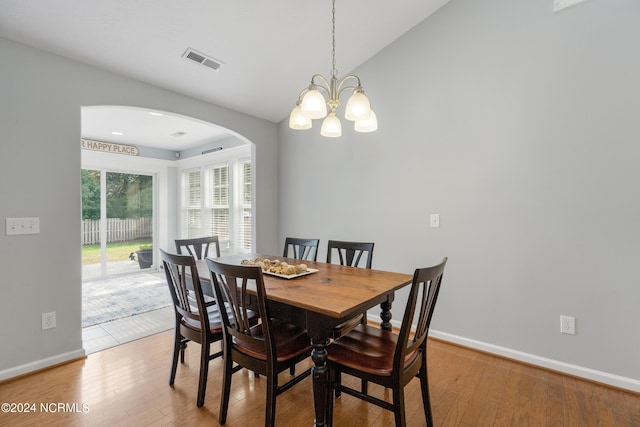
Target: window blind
point(218, 201)
point(192, 202)
point(246, 230)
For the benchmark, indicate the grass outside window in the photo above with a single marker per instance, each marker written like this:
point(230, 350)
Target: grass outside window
point(115, 251)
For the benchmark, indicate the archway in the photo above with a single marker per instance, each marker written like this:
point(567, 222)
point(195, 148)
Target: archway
point(165, 145)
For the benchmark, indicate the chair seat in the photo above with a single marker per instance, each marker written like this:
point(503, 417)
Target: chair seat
point(345, 327)
point(368, 349)
point(290, 341)
point(215, 320)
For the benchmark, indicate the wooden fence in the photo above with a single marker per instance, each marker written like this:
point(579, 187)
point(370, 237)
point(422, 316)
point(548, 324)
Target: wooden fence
point(118, 230)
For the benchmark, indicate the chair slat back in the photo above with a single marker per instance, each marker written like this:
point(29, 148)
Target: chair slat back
point(305, 249)
point(199, 247)
point(188, 303)
point(350, 253)
point(231, 284)
point(423, 295)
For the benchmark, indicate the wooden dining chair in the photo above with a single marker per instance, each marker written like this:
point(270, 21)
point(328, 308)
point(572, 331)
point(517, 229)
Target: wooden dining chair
point(391, 360)
point(199, 247)
point(190, 324)
point(305, 249)
point(267, 348)
point(351, 254)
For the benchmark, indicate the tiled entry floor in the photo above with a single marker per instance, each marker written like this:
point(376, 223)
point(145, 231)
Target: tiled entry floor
point(110, 334)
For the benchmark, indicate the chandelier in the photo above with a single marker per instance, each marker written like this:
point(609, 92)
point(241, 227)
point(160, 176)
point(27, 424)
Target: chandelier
point(312, 104)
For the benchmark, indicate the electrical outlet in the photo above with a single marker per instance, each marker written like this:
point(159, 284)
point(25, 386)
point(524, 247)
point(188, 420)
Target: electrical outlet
point(568, 325)
point(48, 320)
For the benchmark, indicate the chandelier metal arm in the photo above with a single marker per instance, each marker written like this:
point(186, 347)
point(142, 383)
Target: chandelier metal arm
point(333, 90)
point(344, 80)
point(326, 87)
point(321, 77)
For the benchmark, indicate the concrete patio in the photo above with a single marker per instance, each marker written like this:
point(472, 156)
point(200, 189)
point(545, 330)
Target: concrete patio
point(113, 332)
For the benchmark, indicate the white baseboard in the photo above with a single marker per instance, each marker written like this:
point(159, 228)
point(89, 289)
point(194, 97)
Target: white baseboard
point(41, 364)
point(566, 368)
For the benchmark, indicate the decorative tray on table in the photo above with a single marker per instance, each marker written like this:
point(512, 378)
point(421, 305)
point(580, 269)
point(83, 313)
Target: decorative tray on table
point(274, 267)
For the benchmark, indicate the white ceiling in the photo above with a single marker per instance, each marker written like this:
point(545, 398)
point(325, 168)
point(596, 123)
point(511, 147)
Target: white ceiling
point(269, 49)
point(139, 127)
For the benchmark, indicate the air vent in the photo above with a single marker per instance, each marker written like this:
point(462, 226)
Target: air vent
point(212, 150)
point(202, 59)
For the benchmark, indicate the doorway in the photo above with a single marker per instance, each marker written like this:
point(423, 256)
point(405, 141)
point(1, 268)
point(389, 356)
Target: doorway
point(117, 223)
point(124, 297)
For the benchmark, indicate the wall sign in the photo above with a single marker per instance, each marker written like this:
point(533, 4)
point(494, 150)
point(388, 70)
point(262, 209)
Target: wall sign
point(109, 147)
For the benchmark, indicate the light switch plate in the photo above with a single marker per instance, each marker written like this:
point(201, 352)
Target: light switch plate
point(19, 226)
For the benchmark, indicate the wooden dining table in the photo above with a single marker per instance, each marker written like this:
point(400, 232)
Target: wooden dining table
point(318, 302)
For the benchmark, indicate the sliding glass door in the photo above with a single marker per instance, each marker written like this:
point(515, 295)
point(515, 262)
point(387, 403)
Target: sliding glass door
point(117, 223)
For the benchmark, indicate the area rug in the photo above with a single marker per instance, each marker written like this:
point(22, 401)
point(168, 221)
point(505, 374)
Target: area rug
point(122, 296)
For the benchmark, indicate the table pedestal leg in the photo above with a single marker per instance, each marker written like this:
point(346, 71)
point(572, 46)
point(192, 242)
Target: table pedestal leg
point(385, 315)
point(320, 376)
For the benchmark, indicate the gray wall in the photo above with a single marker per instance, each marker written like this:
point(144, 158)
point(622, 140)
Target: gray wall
point(520, 128)
point(517, 125)
point(41, 96)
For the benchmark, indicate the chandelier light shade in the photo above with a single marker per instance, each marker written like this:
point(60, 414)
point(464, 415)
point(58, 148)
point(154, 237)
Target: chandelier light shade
point(358, 107)
point(312, 104)
point(331, 126)
point(366, 125)
point(298, 120)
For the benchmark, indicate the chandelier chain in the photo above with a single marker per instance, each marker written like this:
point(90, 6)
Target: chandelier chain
point(334, 72)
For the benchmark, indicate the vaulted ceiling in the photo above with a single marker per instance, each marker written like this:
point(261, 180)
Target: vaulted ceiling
point(268, 50)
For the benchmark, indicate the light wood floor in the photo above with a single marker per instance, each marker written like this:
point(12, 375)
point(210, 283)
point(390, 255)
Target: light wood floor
point(128, 386)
